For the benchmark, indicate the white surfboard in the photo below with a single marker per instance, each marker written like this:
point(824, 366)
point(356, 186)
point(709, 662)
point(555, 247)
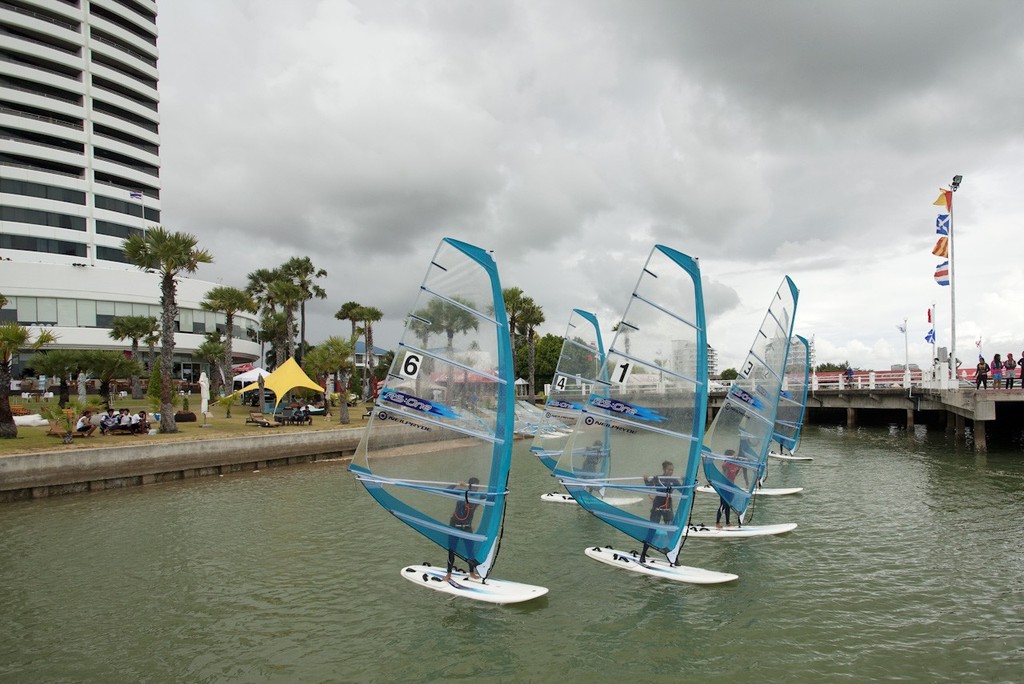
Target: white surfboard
point(630, 560)
point(488, 591)
point(561, 497)
point(788, 457)
point(712, 532)
point(761, 491)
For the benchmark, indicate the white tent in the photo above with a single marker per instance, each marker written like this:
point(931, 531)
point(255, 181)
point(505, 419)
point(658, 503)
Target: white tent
point(251, 376)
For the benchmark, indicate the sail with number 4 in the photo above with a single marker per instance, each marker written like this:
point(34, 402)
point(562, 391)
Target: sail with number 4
point(579, 366)
point(445, 413)
point(736, 444)
point(648, 407)
point(793, 397)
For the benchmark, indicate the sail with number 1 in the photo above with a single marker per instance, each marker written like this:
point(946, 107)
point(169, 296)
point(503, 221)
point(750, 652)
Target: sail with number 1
point(639, 432)
point(437, 450)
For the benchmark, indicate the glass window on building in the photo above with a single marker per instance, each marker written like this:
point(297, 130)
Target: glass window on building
point(122, 309)
point(87, 313)
point(46, 309)
point(27, 310)
point(9, 312)
point(185, 320)
point(104, 314)
point(67, 313)
point(140, 310)
point(214, 321)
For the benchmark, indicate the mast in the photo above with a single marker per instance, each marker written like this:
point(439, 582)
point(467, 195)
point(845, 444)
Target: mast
point(952, 286)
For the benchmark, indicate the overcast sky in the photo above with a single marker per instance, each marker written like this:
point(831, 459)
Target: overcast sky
point(764, 138)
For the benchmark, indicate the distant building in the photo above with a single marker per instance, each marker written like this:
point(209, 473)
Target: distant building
point(80, 172)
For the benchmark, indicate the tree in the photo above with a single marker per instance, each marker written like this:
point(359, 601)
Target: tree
point(513, 297)
point(332, 356)
point(60, 364)
point(530, 316)
point(548, 350)
point(212, 351)
point(830, 367)
point(108, 365)
point(229, 301)
point(303, 273)
point(729, 374)
point(369, 315)
point(134, 328)
point(14, 338)
point(288, 296)
point(348, 312)
point(169, 255)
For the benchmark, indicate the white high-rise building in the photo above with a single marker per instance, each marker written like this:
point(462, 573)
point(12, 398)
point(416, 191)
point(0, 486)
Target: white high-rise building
point(80, 172)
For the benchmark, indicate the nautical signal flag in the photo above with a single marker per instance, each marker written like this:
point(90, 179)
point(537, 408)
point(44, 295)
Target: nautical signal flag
point(135, 194)
point(945, 199)
point(902, 328)
point(929, 315)
point(942, 278)
point(942, 224)
point(930, 337)
point(942, 248)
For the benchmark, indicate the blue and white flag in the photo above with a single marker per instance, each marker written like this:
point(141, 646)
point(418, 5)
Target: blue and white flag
point(942, 224)
point(942, 273)
point(930, 337)
point(902, 328)
point(135, 194)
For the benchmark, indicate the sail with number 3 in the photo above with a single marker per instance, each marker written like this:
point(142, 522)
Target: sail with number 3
point(437, 450)
point(736, 444)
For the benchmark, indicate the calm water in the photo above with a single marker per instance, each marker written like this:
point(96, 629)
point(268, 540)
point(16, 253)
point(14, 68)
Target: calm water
point(907, 565)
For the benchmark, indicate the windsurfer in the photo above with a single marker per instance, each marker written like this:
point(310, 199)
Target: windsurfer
point(661, 503)
point(462, 519)
point(729, 469)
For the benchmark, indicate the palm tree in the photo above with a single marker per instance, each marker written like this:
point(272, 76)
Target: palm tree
point(332, 356)
point(513, 297)
point(212, 351)
point(288, 296)
point(229, 301)
point(259, 289)
point(59, 363)
point(303, 273)
point(369, 315)
point(134, 328)
point(108, 365)
point(349, 312)
point(170, 255)
point(530, 316)
point(14, 338)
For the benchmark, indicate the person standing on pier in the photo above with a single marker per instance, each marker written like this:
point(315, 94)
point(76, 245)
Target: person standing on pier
point(997, 372)
point(1009, 370)
point(982, 376)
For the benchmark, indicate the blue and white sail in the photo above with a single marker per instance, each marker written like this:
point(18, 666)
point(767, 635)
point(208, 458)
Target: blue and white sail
point(580, 366)
point(649, 406)
point(445, 412)
point(789, 420)
point(736, 444)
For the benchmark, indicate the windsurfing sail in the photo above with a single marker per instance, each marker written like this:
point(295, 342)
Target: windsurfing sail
point(444, 416)
point(736, 444)
point(648, 407)
point(793, 396)
point(580, 365)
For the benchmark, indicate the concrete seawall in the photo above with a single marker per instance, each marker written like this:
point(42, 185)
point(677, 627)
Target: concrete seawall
point(52, 473)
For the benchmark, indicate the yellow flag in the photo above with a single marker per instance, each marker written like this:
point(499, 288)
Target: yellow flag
point(945, 199)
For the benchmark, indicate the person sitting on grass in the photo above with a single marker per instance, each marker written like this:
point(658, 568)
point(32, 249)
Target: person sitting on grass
point(84, 426)
point(140, 422)
point(108, 421)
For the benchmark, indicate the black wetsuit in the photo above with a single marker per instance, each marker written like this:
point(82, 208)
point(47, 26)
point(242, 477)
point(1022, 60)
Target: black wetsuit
point(462, 519)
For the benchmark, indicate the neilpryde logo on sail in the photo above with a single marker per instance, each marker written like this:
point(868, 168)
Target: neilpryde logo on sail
point(413, 402)
point(745, 397)
point(641, 412)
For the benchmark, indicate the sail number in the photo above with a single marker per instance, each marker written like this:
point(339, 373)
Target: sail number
point(749, 366)
point(622, 372)
point(411, 365)
point(560, 383)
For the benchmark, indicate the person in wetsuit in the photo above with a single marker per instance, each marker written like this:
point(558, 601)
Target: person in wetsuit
point(462, 519)
point(661, 502)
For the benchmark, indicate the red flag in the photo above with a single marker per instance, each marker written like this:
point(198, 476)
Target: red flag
point(942, 248)
point(929, 315)
point(945, 199)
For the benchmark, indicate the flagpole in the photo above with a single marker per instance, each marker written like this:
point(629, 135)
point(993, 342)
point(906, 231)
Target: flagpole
point(906, 357)
point(952, 285)
point(935, 355)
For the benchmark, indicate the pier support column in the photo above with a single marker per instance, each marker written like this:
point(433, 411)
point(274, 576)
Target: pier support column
point(851, 417)
point(910, 419)
point(950, 420)
point(980, 443)
point(960, 423)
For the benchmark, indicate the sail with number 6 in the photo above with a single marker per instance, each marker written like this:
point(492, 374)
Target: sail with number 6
point(445, 412)
point(736, 444)
point(648, 406)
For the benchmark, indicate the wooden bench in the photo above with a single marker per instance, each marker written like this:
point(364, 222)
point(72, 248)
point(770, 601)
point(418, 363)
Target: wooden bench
point(57, 431)
point(18, 410)
point(258, 419)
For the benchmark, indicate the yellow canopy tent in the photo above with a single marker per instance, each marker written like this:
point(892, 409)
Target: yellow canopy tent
point(285, 378)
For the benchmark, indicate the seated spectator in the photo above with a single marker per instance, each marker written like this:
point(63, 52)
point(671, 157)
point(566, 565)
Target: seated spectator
point(140, 422)
point(301, 416)
point(108, 421)
point(84, 425)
